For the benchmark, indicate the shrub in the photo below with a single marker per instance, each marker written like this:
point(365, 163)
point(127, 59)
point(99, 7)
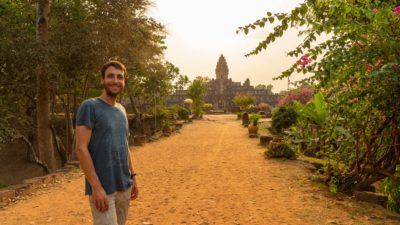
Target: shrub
point(264, 106)
point(302, 95)
point(254, 118)
point(391, 188)
point(162, 113)
point(283, 117)
point(183, 113)
point(244, 101)
point(165, 124)
point(280, 151)
point(207, 107)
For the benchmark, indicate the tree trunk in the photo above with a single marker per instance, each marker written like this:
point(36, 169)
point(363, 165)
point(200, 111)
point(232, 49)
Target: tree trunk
point(32, 153)
point(138, 116)
point(69, 130)
point(44, 135)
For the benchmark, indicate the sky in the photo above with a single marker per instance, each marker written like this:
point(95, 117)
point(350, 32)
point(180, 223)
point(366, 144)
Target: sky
point(199, 31)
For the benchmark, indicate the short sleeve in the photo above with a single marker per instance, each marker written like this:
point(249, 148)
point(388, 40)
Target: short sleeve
point(86, 114)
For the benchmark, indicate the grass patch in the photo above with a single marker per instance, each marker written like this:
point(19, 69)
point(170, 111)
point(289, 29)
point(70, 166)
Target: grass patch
point(3, 185)
point(312, 159)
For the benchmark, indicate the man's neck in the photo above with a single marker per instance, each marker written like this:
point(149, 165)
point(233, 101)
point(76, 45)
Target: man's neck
point(108, 99)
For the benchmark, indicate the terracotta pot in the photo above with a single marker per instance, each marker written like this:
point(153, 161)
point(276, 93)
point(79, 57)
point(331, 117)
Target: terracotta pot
point(139, 140)
point(166, 130)
point(265, 140)
point(273, 143)
point(252, 129)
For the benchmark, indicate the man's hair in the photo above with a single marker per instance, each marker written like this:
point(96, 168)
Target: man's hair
point(115, 64)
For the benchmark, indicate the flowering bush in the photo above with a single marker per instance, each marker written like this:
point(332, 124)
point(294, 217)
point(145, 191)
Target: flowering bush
point(357, 72)
point(396, 10)
point(264, 106)
point(303, 95)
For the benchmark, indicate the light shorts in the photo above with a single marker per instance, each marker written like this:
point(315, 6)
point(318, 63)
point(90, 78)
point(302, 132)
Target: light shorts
point(118, 204)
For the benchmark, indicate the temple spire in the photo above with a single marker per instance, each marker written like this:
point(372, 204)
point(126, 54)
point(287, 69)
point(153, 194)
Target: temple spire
point(221, 71)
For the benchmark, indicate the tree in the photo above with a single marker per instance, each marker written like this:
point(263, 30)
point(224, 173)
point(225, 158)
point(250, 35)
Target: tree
point(261, 86)
point(356, 68)
point(269, 89)
point(45, 143)
point(196, 92)
point(244, 101)
point(84, 35)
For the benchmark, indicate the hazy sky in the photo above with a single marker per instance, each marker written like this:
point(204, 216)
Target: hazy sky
point(199, 31)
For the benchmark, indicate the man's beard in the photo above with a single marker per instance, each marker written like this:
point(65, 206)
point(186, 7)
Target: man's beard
point(110, 93)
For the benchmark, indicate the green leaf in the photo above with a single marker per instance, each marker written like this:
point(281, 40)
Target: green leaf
point(320, 107)
point(271, 19)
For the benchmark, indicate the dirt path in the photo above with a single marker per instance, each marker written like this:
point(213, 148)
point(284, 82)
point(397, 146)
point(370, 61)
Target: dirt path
point(210, 173)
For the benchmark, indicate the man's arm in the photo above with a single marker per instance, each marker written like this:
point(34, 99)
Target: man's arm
point(135, 190)
point(83, 135)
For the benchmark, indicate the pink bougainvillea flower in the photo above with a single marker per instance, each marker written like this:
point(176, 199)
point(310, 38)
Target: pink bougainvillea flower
point(375, 10)
point(304, 60)
point(351, 78)
point(370, 67)
point(396, 10)
point(379, 62)
point(303, 96)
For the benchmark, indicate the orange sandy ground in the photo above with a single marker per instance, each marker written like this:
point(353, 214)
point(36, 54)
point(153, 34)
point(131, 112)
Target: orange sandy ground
point(210, 173)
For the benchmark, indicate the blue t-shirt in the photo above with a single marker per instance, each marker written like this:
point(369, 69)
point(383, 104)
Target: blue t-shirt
point(108, 144)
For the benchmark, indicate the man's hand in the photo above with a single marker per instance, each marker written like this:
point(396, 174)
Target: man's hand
point(134, 191)
point(100, 199)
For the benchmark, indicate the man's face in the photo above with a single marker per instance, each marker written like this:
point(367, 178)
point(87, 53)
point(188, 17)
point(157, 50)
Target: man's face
point(113, 81)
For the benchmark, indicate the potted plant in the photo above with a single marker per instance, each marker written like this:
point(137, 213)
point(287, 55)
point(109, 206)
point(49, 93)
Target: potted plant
point(253, 128)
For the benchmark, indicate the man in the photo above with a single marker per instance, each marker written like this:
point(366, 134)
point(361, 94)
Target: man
point(103, 151)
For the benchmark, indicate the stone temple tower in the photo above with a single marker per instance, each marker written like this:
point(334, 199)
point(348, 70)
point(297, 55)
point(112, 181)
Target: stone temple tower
point(222, 71)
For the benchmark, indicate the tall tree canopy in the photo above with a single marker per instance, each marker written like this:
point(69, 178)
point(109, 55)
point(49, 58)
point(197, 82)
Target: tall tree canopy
point(82, 35)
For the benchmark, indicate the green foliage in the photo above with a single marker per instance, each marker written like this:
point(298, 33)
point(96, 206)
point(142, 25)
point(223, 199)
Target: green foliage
point(207, 107)
point(244, 101)
point(196, 92)
point(391, 187)
point(83, 36)
point(280, 151)
point(356, 68)
point(3, 185)
point(283, 117)
point(261, 86)
point(183, 113)
point(315, 112)
point(254, 118)
point(166, 124)
point(163, 113)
